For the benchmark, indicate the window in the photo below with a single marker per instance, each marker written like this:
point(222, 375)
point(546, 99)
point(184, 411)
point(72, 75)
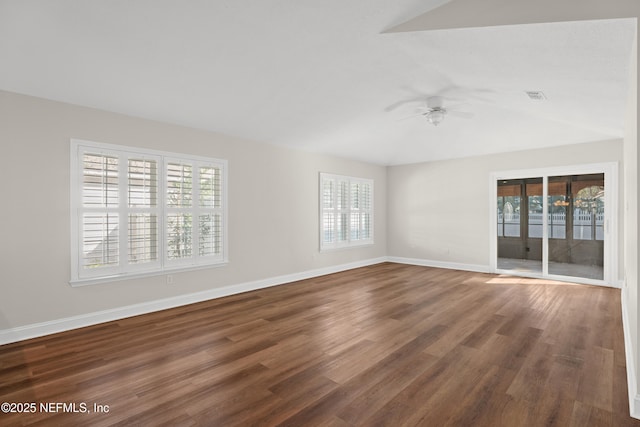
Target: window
point(509, 209)
point(138, 211)
point(588, 214)
point(346, 217)
point(557, 201)
point(533, 188)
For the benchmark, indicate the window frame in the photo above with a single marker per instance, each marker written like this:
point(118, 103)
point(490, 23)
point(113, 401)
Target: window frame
point(161, 264)
point(348, 211)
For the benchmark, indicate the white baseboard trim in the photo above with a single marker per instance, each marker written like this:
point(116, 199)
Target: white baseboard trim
point(632, 385)
point(441, 264)
point(74, 322)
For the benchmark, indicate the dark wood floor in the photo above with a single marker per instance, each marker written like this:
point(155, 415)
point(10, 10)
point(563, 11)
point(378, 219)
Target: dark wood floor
point(384, 345)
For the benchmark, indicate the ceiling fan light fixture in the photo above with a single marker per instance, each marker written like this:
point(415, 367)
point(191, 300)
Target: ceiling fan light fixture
point(436, 116)
point(536, 95)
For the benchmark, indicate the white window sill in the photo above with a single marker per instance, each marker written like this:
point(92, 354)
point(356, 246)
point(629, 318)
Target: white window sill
point(129, 276)
point(341, 247)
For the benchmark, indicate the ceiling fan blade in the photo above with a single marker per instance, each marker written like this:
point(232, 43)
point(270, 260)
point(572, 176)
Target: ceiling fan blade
point(403, 102)
point(458, 106)
point(460, 114)
point(455, 93)
point(413, 116)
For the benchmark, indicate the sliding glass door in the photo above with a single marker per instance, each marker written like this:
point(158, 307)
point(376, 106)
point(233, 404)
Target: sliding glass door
point(576, 225)
point(556, 224)
point(519, 233)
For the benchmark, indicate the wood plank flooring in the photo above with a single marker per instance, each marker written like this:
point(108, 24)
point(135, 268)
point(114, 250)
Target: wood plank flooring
point(386, 345)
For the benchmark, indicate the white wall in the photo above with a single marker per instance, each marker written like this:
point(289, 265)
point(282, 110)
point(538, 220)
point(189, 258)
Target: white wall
point(439, 211)
point(631, 256)
point(273, 210)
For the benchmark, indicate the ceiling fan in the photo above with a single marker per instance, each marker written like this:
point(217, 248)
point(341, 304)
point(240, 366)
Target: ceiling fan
point(432, 108)
point(435, 112)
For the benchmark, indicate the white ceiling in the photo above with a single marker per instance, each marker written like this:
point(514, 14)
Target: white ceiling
point(323, 75)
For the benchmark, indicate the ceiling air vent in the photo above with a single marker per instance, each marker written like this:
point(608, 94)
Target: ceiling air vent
point(536, 95)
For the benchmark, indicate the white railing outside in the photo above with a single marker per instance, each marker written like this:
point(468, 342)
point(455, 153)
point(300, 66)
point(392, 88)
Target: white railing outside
point(509, 225)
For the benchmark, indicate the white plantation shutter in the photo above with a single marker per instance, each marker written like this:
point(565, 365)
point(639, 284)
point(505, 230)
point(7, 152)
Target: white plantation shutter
point(100, 240)
point(366, 211)
point(142, 216)
point(210, 235)
point(100, 177)
point(179, 184)
point(342, 210)
point(194, 213)
point(140, 211)
point(328, 217)
point(179, 215)
point(99, 212)
point(361, 210)
point(346, 217)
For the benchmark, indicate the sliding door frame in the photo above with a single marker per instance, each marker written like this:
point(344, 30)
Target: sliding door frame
point(611, 195)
